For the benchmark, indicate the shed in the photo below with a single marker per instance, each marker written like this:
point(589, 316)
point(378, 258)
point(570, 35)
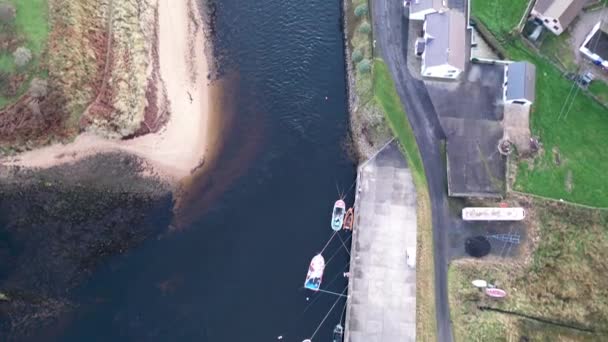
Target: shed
point(520, 83)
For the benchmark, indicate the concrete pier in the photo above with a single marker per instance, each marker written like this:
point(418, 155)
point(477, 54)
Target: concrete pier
point(381, 306)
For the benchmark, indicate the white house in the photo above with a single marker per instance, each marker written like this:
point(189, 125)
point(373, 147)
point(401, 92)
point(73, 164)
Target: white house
point(520, 83)
point(420, 8)
point(445, 45)
point(556, 15)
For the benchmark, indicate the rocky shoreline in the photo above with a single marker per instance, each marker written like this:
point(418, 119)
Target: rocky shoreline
point(368, 129)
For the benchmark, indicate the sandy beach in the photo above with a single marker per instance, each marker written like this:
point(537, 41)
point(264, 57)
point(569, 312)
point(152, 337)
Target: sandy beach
point(180, 146)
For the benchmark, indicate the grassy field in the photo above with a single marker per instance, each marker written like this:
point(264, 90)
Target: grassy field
point(573, 159)
point(498, 15)
point(559, 50)
point(563, 281)
point(387, 98)
point(599, 89)
point(31, 23)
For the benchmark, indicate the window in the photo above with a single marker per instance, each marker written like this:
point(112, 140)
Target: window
point(555, 20)
point(556, 28)
point(547, 21)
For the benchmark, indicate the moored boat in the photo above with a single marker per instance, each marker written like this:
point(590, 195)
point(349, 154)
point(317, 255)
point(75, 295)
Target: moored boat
point(349, 219)
point(337, 217)
point(338, 333)
point(315, 273)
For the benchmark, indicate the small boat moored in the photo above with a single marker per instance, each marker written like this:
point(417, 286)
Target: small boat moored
point(315, 273)
point(337, 217)
point(338, 333)
point(349, 219)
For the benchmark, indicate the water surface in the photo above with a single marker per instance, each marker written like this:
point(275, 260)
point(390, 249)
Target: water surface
point(236, 272)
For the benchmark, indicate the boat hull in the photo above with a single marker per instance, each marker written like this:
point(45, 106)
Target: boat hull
point(337, 217)
point(314, 277)
point(349, 219)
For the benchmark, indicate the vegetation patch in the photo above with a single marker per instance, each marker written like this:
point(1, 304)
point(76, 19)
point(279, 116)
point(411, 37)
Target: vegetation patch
point(23, 35)
point(555, 293)
point(367, 122)
point(387, 98)
point(500, 17)
point(577, 126)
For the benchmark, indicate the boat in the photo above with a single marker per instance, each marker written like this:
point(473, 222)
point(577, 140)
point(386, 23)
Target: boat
point(315, 273)
point(338, 333)
point(349, 219)
point(337, 217)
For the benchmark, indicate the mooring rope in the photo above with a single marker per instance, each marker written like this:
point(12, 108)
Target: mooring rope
point(344, 245)
point(328, 241)
point(327, 315)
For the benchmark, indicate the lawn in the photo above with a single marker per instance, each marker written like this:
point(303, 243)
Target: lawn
point(500, 16)
point(564, 281)
point(31, 23)
point(573, 160)
point(559, 50)
point(387, 98)
point(599, 89)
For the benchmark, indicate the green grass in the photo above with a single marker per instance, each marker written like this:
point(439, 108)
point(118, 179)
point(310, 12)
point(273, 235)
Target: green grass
point(559, 50)
point(563, 281)
point(385, 95)
point(578, 136)
point(32, 22)
point(499, 16)
point(599, 89)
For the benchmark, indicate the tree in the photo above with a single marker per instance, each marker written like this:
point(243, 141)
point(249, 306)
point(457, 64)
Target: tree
point(364, 66)
point(22, 56)
point(38, 88)
point(357, 56)
point(365, 28)
point(361, 10)
point(7, 13)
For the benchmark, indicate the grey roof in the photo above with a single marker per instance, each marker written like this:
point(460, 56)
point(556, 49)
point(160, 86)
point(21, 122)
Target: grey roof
point(422, 5)
point(563, 10)
point(521, 81)
point(447, 41)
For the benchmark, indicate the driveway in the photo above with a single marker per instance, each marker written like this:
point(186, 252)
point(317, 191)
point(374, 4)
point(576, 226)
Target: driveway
point(470, 112)
point(391, 32)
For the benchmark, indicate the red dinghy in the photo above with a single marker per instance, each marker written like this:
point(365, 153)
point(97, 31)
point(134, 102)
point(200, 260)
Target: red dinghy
point(349, 219)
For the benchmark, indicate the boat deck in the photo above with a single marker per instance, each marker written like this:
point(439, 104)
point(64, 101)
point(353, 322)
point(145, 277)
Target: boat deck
point(382, 289)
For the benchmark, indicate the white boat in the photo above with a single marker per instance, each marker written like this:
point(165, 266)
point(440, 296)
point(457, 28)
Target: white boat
point(337, 217)
point(315, 273)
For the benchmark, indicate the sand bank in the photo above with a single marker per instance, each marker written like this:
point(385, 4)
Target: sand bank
point(180, 146)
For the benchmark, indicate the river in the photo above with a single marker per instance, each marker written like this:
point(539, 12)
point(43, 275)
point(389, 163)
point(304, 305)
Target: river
point(235, 273)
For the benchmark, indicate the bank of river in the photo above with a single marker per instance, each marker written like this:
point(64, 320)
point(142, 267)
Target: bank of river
point(235, 269)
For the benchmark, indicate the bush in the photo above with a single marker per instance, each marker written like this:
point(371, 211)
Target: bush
point(357, 56)
point(365, 28)
point(22, 56)
point(7, 13)
point(364, 66)
point(361, 10)
point(38, 88)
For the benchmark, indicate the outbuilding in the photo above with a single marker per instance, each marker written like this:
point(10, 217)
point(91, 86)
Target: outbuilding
point(556, 15)
point(520, 83)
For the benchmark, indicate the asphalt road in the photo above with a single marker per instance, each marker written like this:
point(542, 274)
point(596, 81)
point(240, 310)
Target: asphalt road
point(390, 29)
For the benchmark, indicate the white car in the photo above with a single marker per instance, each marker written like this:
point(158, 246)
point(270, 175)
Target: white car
point(410, 255)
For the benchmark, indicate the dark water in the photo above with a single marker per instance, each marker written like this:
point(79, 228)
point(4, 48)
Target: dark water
point(236, 272)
